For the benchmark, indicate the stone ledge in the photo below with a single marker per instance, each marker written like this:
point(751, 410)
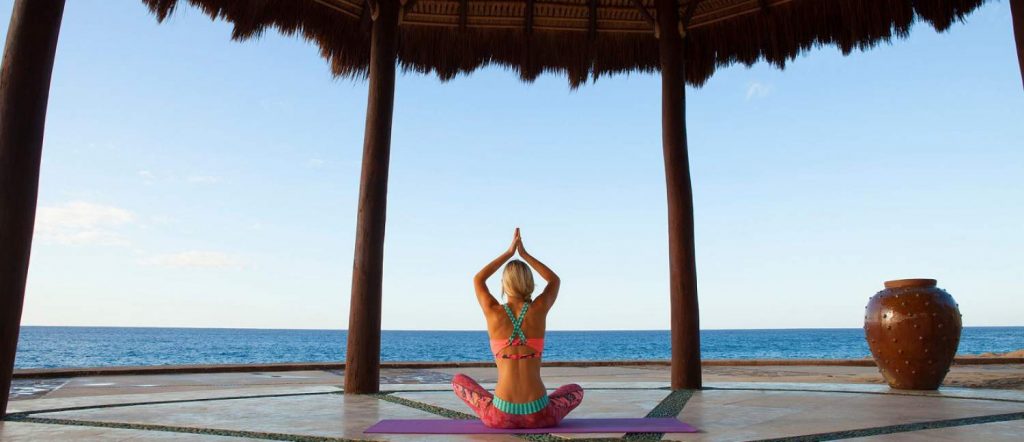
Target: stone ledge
point(39, 373)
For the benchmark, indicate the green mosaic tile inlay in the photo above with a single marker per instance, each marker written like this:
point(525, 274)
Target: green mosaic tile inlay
point(878, 393)
point(433, 409)
point(902, 428)
point(671, 406)
point(176, 429)
point(10, 416)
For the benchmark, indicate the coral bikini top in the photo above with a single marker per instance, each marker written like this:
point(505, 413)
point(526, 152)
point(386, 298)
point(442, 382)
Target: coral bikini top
point(517, 338)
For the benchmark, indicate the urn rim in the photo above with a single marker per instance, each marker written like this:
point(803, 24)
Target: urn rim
point(912, 282)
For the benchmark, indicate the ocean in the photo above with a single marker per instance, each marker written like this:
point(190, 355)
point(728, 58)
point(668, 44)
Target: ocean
point(53, 347)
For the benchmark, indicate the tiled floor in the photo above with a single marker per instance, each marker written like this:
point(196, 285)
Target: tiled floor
point(1013, 430)
point(726, 415)
point(293, 405)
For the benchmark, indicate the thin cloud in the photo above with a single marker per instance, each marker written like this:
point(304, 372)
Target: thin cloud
point(148, 177)
point(315, 163)
point(82, 223)
point(197, 259)
point(756, 89)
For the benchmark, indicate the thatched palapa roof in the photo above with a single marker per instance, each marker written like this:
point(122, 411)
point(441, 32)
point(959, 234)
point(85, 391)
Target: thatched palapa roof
point(581, 38)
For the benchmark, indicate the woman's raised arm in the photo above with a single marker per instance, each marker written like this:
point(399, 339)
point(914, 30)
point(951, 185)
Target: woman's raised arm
point(547, 297)
point(483, 295)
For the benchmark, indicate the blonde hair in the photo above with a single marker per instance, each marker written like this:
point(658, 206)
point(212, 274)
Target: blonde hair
point(517, 280)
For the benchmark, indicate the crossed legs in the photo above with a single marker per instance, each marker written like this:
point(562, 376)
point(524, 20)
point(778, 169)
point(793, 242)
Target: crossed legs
point(560, 403)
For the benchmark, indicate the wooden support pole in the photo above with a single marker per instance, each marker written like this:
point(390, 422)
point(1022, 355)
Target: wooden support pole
point(1017, 12)
point(24, 90)
point(682, 267)
point(362, 363)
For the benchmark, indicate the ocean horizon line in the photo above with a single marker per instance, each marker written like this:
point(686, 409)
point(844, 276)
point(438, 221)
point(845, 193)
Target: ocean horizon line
point(468, 330)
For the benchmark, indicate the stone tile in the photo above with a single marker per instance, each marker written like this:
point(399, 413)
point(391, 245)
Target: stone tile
point(415, 387)
point(1012, 431)
point(29, 432)
point(951, 392)
point(332, 415)
point(148, 384)
point(444, 399)
point(48, 403)
point(34, 388)
point(744, 415)
point(614, 403)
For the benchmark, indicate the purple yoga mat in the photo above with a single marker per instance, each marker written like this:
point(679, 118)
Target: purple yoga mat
point(474, 426)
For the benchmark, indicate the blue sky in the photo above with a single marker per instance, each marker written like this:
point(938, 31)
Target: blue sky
point(189, 180)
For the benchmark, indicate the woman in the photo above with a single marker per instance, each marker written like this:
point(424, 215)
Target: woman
point(516, 330)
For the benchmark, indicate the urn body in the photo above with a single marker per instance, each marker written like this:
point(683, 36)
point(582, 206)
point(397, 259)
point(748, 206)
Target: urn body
point(913, 330)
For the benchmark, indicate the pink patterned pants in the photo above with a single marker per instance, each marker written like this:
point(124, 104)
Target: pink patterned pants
point(560, 403)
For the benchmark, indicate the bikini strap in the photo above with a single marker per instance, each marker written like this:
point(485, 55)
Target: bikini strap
point(517, 323)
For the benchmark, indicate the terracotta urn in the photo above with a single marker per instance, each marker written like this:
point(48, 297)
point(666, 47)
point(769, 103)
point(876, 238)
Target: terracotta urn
point(913, 330)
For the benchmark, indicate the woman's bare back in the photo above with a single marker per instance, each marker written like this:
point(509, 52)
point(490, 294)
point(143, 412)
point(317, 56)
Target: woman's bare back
point(519, 378)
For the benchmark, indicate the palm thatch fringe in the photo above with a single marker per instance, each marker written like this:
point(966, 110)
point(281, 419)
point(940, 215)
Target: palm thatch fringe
point(776, 35)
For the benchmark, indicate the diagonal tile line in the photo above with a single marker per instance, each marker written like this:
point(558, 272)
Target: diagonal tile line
point(671, 406)
point(901, 428)
point(882, 393)
point(423, 406)
point(21, 414)
point(177, 429)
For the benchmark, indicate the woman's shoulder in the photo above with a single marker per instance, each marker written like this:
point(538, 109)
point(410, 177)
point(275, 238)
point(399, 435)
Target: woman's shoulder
point(495, 314)
point(539, 306)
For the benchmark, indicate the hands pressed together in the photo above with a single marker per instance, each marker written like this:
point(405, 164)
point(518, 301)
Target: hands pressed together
point(517, 245)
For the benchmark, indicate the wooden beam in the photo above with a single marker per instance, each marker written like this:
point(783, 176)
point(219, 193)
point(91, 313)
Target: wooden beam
point(644, 12)
point(374, 7)
point(24, 91)
point(366, 18)
point(1017, 11)
point(407, 6)
point(362, 369)
point(741, 12)
point(528, 19)
point(685, 322)
point(684, 24)
point(335, 7)
point(690, 10)
point(463, 14)
point(592, 19)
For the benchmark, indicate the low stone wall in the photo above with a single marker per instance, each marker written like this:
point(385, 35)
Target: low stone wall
point(38, 373)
